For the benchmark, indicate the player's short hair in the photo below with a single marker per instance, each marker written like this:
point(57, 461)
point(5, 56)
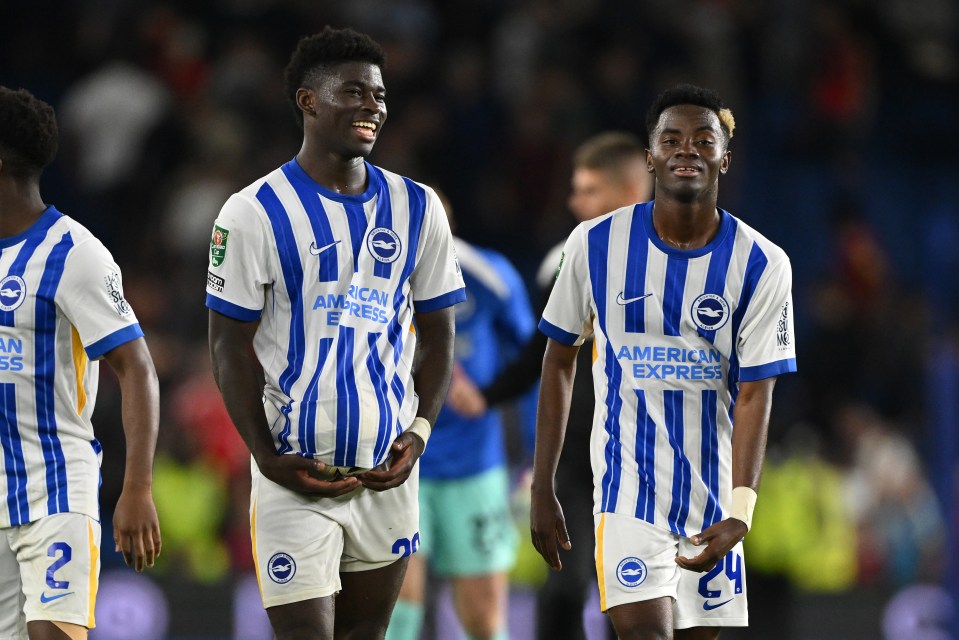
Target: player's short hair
point(28, 133)
point(691, 94)
point(317, 53)
point(609, 151)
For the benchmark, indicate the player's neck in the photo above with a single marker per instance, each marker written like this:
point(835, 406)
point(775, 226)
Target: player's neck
point(20, 207)
point(686, 225)
point(342, 175)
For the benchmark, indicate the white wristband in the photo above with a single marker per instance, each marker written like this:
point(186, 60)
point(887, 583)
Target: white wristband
point(744, 501)
point(421, 427)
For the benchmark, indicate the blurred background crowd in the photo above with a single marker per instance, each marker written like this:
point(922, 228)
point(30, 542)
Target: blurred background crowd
point(846, 113)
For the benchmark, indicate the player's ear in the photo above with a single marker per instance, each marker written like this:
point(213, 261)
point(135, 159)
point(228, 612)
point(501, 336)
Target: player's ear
point(649, 161)
point(724, 163)
point(306, 101)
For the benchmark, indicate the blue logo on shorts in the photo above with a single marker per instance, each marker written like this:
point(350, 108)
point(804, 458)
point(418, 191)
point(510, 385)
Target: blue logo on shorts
point(13, 290)
point(281, 568)
point(384, 245)
point(631, 572)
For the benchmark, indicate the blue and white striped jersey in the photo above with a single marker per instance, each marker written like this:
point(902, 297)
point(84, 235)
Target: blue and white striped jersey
point(491, 327)
point(675, 333)
point(61, 308)
point(334, 281)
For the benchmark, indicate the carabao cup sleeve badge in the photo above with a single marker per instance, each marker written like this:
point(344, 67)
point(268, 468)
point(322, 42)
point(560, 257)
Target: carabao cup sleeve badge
point(218, 245)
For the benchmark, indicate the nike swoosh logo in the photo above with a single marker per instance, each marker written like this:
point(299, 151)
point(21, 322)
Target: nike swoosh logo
point(709, 607)
point(44, 598)
point(317, 251)
point(624, 301)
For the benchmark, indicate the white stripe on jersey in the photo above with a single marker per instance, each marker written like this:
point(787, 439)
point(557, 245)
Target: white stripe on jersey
point(61, 308)
point(334, 280)
point(676, 331)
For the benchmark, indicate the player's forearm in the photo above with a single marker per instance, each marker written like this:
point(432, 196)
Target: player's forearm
point(140, 409)
point(552, 412)
point(434, 345)
point(751, 420)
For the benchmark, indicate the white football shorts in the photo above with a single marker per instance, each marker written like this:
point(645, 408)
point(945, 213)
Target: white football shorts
point(301, 543)
point(636, 561)
point(49, 570)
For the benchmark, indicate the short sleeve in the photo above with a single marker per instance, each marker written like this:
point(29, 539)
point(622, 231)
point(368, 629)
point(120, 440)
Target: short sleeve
point(568, 315)
point(766, 346)
point(238, 270)
point(90, 295)
point(436, 281)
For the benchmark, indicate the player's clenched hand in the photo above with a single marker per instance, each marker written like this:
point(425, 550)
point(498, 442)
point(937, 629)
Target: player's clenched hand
point(136, 528)
point(548, 526)
point(305, 475)
point(404, 453)
point(719, 539)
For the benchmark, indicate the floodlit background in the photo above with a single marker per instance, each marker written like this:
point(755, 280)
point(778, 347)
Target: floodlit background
point(845, 155)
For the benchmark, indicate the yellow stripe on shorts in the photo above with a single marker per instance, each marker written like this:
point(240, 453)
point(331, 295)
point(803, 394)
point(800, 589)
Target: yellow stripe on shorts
point(256, 562)
point(599, 562)
point(94, 563)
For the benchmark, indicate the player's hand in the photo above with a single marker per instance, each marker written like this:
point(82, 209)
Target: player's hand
point(719, 539)
point(136, 528)
point(548, 526)
point(305, 475)
point(464, 396)
point(404, 452)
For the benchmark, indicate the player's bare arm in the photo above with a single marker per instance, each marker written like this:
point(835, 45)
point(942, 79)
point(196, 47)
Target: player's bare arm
point(240, 379)
point(434, 366)
point(751, 417)
point(136, 528)
point(547, 524)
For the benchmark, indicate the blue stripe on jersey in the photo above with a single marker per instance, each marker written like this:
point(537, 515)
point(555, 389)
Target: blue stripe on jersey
point(16, 470)
point(384, 218)
point(645, 460)
point(598, 250)
point(755, 266)
point(307, 427)
point(347, 400)
point(115, 339)
point(675, 286)
point(34, 236)
point(751, 374)
point(716, 272)
point(709, 464)
point(292, 268)
point(557, 334)
point(356, 218)
point(319, 221)
point(45, 371)
point(682, 473)
point(635, 285)
point(231, 310)
point(378, 378)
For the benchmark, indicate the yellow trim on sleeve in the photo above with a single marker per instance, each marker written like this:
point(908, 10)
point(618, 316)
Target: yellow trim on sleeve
point(600, 576)
point(79, 368)
point(256, 563)
point(94, 572)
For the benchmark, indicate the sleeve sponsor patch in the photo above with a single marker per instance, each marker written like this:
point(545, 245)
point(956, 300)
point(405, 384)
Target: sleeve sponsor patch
point(218, 245)
point(783, 338)
point(115, 292)
point(214, 282)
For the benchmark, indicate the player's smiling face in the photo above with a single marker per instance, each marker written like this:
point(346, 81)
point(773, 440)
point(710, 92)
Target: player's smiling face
point(687, 152)
point(350, 109)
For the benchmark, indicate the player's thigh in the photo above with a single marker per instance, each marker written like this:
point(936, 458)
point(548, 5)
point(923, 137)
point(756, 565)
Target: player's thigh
point(476, 534)
point(297, 543)
point(59, 565)
point(715, 598)
point(46, 630)
point(364, 606)
point(414, 584)
point(312, 619)
point(645, 620)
